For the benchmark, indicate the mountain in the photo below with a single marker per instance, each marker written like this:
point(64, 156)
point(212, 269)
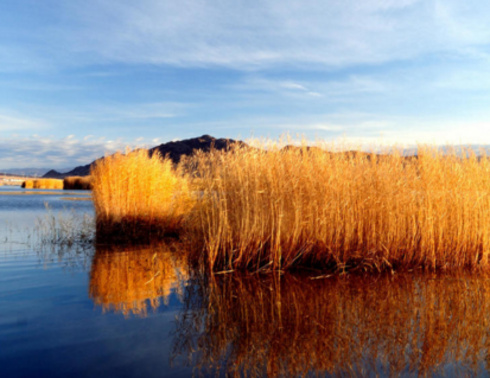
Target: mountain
point(26, 172)
point(174, 150)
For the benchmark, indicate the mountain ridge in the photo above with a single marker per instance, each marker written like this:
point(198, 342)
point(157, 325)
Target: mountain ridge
point(174, 150)
point(186, 147)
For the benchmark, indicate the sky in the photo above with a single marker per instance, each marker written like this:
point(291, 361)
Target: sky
point(83, 78)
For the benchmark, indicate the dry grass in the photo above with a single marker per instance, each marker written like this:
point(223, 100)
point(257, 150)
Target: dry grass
point(138, 197)
point(77, 183)
point(362, 326)
point(43, 184)
point(277, 208)
point(305, 206)
point(132, 281)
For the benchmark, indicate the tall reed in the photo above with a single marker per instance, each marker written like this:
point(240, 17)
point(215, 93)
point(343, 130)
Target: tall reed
point(278, 208)
point(137, 197)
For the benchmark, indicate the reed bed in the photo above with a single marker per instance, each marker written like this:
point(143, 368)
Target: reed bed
point(138, 197)
point(77, 183)
point(359, 326)
point(281, 208)
point(133, 281)
point(42, 184)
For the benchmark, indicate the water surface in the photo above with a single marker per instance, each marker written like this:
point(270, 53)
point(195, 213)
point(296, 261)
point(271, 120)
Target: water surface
point(85, 311)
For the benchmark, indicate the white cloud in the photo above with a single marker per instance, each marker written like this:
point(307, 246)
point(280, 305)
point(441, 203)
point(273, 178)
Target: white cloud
point(52, 152)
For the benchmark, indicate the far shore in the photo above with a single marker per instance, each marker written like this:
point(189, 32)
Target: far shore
point(43, 192)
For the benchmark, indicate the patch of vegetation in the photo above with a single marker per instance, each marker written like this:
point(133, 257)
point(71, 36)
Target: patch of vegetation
point(65, 228)
point(77, 183)
point(280, 208)
point(137, 197)
point(43, 184)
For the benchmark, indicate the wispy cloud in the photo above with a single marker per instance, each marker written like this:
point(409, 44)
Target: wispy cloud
point(327, 90)
point(49, 118)
point(12, 122)
point(283, 87)
point(238, 35)
point(52, 152)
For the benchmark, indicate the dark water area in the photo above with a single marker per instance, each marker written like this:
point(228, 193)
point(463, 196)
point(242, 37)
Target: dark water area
point(86, 311)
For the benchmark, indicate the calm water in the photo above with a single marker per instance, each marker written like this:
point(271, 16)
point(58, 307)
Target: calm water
point(131, 312)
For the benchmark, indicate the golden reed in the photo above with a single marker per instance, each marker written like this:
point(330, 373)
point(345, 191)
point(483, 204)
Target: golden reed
point(342, 326)
point(280, 208)
point(43, 184)
point(274, 208)
point(137, 196)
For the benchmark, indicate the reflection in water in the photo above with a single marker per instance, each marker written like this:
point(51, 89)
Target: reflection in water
point(131, 280)
point(292, 325)
point(355, 326)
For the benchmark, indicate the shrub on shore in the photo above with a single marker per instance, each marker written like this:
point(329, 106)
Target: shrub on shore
point(138, 197)
point(77, 183)
point(43, 184)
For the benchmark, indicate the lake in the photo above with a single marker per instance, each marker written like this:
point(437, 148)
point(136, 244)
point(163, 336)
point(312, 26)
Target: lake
point(82, 311)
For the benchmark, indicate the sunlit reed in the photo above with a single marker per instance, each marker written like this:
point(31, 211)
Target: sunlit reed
point(272, 208)
point(279, 208)
point(43, 184)
point(137, 196)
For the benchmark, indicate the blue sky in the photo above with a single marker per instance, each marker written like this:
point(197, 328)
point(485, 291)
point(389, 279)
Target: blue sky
point(79, 79)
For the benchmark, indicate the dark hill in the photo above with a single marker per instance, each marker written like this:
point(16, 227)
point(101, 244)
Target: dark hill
point(53, 174)
point(174, 150)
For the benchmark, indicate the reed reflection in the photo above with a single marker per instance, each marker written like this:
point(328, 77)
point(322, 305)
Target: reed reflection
point(341, 326)
point(133, 280)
